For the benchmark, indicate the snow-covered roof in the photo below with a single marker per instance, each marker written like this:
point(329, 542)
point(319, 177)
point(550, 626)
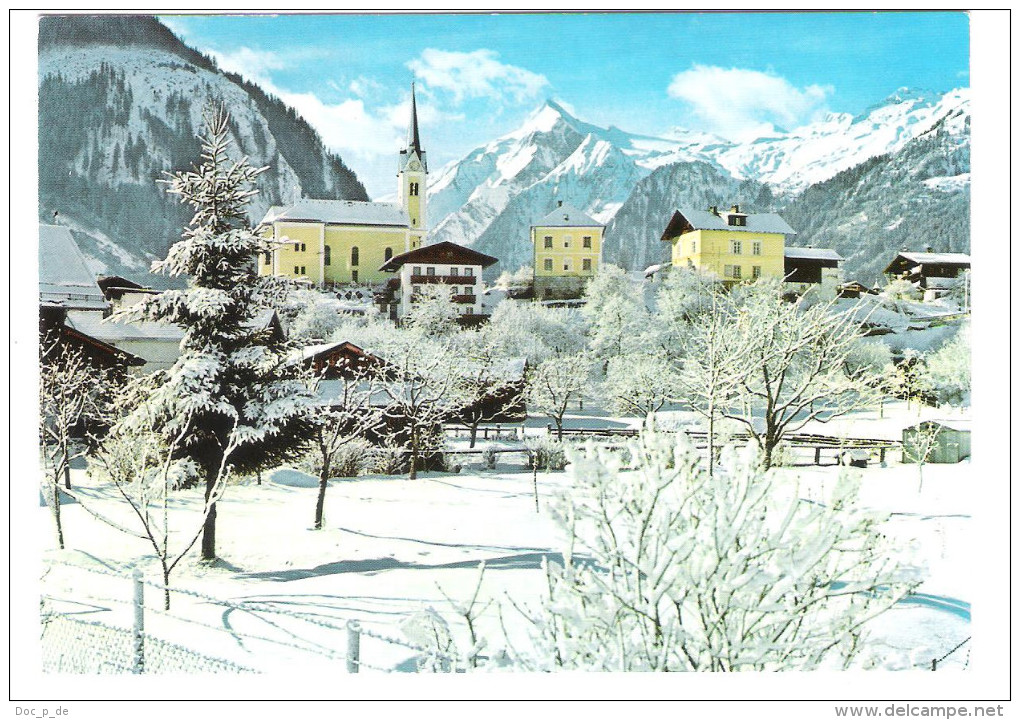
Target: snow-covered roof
point(443, 253)
point(811, 253)
point(110, 330)
point(340, 212)
point(927, 258)
point(566, 215)
point(64, 278)
point(705, 220)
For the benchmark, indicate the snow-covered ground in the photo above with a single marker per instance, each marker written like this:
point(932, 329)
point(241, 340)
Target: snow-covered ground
point(392, 548)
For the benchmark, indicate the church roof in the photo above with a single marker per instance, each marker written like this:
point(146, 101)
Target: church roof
point(340, 212)
point(444, 253)
point(64, 278)
point(566, 215)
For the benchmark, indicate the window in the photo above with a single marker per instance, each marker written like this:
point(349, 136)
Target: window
point(755, 271)
point(355, 254)
point(470, 272)
point(586, 264)
point(327, 256)
point(417, 270)
point(469, 311)
point(354, 276)
point(297, 270)
point(267, 258)
point(756, 247)
point(430, 271)
point(388, 253)
point(548, 241)
point(547, 264)
point(736, 272)
point(413, 189)
point(455, 271)
point(736, 247)
point(694, 247)
point(566, 240)
point(453, 290)
point(566, 265)
point(587, 241)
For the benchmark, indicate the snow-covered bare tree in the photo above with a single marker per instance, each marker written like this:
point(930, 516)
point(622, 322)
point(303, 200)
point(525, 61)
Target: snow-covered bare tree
point(433, 312)
point(146, 468)
point(342, 414)
point(638, 383)
point(73, 394)
point(556, 383)
point(530, 330)
point(616, 314)
point(792, 365)
point(667, 568)
point(488, 382)
point(947, 370)
point(422, 385)
point(230, 397)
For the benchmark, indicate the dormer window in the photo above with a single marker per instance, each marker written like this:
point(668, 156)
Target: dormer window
point(738, 220)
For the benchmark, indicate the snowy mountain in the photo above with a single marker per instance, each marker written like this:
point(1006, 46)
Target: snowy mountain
point(633, 183)
point(120, 102)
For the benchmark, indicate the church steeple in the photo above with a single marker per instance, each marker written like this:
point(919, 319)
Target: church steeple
point(412, 179)
point(413, 139)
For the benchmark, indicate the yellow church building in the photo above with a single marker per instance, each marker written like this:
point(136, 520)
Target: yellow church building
point(338, 242)
point(733, 245)
point(567, 247)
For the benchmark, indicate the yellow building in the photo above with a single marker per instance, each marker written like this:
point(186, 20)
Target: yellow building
point(733, 245)
point(335, 242)
point(567, 252)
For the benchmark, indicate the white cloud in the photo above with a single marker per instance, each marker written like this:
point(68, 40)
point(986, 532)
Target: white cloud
point(476, 74)
point(742, 105)
point(254, 64)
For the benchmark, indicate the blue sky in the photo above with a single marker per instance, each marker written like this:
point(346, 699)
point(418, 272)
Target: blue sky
point(479, 76)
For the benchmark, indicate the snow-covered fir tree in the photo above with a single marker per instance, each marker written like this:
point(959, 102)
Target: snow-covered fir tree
point(230, 396)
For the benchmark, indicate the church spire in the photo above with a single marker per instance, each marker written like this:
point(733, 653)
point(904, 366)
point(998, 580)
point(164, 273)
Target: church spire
point(413, 141)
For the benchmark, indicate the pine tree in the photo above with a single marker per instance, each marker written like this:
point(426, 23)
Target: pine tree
point(231, 397)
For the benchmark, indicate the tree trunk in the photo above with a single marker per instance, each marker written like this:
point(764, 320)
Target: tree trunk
point(56, 515)
point(67, 471)
point(209, 528)
point(559, 429)
point(321, 501)
point(166, 584)
point(474, 434)
point(413, 472)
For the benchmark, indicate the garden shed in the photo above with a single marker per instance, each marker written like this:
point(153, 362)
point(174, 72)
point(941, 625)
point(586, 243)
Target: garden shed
point(937, 441)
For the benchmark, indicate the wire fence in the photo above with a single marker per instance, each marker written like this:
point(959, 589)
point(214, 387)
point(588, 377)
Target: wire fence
point(120, 625)
point(115, 622)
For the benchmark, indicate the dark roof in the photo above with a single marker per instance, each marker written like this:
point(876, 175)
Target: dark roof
point(566, 215)
point(95, 346)
point(909, 260)
point(687, 220)
point(444, 253)
point(114, 287)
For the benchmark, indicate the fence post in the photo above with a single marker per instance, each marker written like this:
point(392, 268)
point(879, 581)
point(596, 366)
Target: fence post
point(353, 646)
point(934, 662)
point(138, 631)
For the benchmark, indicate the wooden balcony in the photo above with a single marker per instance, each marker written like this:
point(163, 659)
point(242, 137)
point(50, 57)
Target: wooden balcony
point(466, 299)
point(444, 279)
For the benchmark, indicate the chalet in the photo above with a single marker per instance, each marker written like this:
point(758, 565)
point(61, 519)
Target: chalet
point(121, 292)
point(733, 245)
point(805, 267)
point(340, 361)
point(445, 263)
point(55, 332)
point(933, 273)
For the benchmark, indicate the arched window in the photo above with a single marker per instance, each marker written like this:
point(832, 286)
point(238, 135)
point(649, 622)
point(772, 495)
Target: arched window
point(326, 255)
point(388, 254)
point(414, 189)
point(354, 255)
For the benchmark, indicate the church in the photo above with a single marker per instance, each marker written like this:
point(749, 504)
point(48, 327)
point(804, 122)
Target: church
point(338, 242)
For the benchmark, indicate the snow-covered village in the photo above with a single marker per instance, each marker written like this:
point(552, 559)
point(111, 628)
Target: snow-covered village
point(440, 390)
